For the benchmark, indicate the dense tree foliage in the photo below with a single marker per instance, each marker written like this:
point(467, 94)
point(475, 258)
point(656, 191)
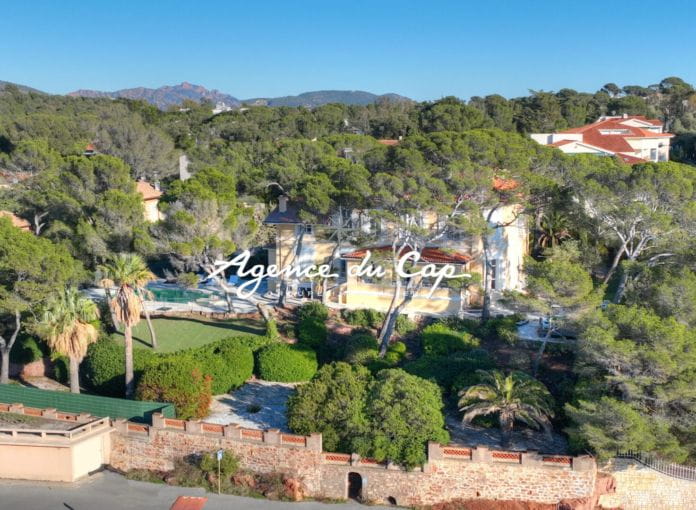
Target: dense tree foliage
point(388, 417)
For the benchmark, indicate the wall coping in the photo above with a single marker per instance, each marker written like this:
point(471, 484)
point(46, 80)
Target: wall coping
point(86, 423)
point(313, 442)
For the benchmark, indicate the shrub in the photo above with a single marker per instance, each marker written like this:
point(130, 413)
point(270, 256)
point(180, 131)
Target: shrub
point(363, 317)
point(286, 363)
point(404, 412)
point(404, 325)
point(445, 370)
point(440, 340)
point(361, 348)
point(314, 310)
point(312, 332)
point(229, 464)
point(180, 382)
point(27, 349)
point(228, 361)
point(272, 330)
point(390, 416)
point(61, 369)
point(398, 347)
point(104, 366)
point(311, 324)
point(333, 404)
point(502, 328)
point(229, 364)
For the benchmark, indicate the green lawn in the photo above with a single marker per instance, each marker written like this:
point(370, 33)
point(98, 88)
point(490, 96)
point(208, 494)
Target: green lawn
point(175, 334)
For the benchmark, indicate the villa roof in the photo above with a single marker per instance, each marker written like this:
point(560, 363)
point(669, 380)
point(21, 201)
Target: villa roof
point(503, 184)
point(429, 255)
point(388, 142)
point(18, 222)
point(147, 191)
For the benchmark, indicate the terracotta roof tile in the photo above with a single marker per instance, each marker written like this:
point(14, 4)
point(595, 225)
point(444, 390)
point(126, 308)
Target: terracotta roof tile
point(147, 190)
point(388, 142)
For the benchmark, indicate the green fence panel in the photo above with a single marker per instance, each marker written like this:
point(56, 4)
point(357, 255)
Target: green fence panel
point(134, 410)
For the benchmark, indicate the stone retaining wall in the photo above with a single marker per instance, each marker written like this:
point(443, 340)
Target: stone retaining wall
point(451, 471)
point(639, 487)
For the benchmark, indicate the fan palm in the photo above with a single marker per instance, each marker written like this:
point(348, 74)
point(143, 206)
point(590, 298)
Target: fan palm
point(554, 228)
point(513, 397)
point(129, 274)
point(66, 325)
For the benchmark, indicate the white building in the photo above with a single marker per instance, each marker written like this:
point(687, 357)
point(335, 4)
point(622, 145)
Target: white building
point(633, 138)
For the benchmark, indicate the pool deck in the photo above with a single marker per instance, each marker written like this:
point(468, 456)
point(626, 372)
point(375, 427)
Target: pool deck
point(216, 306)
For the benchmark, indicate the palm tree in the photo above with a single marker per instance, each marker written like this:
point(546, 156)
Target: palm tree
point(66, 325)
point(553, 229)
point(513, 397)
point(129, 274)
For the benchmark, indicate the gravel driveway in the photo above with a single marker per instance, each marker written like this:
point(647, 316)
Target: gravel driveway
point(256, 405)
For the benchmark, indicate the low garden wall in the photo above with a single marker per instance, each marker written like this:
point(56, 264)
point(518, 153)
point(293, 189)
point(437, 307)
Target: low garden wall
point(451, 471)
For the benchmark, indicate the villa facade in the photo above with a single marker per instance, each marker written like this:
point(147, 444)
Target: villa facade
point(508, 245)
point(632, 138)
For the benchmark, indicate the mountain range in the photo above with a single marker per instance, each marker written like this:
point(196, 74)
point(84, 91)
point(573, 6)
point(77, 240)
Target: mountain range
point(164, 97)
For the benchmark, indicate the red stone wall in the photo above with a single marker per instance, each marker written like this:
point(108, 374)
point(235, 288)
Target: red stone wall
point(452, 472)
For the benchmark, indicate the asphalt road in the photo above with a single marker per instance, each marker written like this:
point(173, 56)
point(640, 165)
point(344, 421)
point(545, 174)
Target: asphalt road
point(109, 491)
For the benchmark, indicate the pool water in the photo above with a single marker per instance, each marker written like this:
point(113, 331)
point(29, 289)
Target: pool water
point(177, 295)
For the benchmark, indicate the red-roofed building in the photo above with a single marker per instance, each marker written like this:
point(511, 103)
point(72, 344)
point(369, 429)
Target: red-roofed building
point(632, 138)
point(302, 244)
point(151, 195)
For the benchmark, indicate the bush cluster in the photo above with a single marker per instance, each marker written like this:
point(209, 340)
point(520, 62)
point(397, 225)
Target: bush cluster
point(229, 364)
point(368, 318)
point(180, 381)
point(440, 340)
point(28, 349)
point(452, 372)
point(390, 416)
point(228, 361)
point(362, 348)
point(311, 325)
point(286, 363)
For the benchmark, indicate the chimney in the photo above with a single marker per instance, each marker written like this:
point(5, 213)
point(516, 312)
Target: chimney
point(156, 185)
point(282, 203)
point(625, 115)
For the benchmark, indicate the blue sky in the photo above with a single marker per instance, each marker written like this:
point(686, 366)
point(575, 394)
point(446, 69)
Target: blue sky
point(423, 50)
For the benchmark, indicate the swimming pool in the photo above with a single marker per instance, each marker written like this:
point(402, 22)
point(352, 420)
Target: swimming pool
point(177, 295)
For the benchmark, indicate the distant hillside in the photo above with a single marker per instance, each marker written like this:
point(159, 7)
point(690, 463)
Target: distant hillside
point(321, 97)
point(23, 88)
point(166, 96)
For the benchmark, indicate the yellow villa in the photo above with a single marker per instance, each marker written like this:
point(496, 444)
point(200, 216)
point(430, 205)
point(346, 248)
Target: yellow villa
point(508, 245)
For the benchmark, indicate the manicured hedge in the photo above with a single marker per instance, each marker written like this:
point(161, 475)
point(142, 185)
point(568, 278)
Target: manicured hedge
point(229, 364)
point(229, 361)
point(440, 340)
point(103, 369)
point(286, 363)
point(180, 382)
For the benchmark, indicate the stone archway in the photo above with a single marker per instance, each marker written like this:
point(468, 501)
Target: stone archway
point(355, 486)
